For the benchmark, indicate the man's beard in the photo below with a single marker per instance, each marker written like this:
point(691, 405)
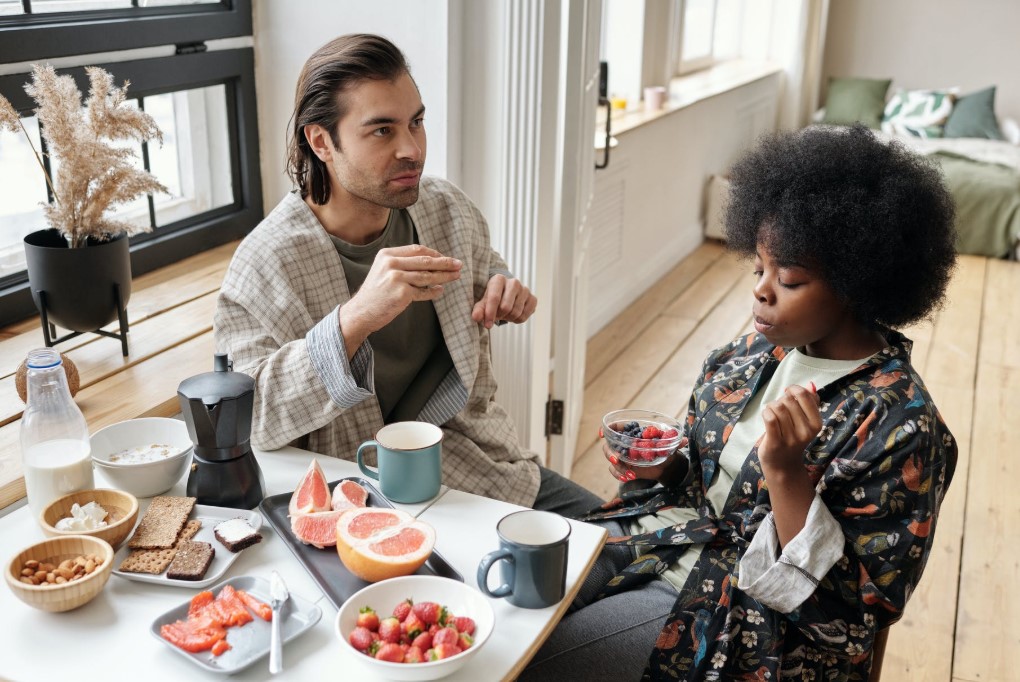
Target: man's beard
point(383, 195)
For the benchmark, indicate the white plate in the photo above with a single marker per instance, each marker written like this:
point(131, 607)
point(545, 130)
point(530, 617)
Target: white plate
point(248, 642)
point(222, 558)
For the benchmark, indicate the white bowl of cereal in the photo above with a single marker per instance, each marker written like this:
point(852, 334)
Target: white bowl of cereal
point(145, 456)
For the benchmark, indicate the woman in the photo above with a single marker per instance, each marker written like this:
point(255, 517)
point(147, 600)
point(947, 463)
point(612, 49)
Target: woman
point(800, 520)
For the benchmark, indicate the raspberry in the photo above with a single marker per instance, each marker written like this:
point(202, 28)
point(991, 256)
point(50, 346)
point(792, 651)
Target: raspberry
point(651, 432)
point(670, 433)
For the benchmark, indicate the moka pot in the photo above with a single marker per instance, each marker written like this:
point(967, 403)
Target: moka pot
point(217, 408)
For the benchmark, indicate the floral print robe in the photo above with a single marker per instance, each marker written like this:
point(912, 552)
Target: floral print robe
point(881, 464)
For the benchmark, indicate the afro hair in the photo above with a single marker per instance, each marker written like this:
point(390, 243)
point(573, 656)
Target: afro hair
point(872, 218)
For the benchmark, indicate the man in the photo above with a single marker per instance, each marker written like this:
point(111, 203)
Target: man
point(367, 296)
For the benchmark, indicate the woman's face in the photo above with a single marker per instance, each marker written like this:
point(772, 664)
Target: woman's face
point(795, 307)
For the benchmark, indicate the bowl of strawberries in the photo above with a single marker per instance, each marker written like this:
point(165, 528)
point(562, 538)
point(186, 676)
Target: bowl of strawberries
point(418, 627)
point(641, 437)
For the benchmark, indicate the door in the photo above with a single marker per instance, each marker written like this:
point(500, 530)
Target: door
point(581, 26)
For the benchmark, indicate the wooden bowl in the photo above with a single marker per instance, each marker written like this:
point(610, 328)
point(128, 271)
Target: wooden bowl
point(69, 595)
point(121, 509)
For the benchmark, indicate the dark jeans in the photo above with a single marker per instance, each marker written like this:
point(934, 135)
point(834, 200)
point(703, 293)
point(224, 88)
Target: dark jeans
point(563, 496)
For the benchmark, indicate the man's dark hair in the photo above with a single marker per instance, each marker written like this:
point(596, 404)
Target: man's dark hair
point(333, 69)
point(874, 219)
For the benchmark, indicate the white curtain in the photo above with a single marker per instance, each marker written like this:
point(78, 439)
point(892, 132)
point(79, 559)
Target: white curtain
point(795, 40)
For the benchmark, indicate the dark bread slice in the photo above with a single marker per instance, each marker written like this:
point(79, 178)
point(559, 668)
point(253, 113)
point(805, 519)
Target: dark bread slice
point(192, 561)
point(236, 534)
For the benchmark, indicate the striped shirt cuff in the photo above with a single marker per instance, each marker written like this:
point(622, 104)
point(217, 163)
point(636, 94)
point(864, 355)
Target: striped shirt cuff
point(449, 399)
point(784, 580)
point(348, 383)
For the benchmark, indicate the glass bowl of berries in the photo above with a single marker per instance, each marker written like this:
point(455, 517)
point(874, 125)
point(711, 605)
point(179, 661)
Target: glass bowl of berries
point(641, 437)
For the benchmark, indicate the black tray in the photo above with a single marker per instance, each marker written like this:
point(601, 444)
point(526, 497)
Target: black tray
point(324, 565)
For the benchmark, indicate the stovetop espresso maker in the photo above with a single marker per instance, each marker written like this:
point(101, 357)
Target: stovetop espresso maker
point(217, 408)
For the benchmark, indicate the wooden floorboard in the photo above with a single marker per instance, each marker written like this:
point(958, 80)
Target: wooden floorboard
point(957, 626)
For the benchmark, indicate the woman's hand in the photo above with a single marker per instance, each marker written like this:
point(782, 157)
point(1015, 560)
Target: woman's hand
point(791, 423)
point(669, 471)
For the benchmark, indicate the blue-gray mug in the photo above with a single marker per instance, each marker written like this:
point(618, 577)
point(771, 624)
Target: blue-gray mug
point(533, 559)
point(410, 458)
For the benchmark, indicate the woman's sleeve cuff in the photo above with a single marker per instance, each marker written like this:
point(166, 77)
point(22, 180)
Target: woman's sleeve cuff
point(784, 580)
point(348, 383)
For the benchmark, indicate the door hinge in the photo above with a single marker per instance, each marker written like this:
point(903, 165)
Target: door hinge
point(190, 48)
point(553, 418)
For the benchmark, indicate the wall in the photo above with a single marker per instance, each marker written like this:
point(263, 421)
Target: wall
point(284, 39)
point(649, 204)
point(925, 44)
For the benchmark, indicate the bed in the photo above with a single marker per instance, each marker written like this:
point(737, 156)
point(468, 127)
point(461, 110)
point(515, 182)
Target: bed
point(984, 178)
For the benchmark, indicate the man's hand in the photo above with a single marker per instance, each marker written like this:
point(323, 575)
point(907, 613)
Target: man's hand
point(398, 277)
point(504, 299)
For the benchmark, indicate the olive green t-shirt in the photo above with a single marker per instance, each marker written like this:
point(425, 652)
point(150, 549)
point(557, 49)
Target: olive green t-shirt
point(411, 358)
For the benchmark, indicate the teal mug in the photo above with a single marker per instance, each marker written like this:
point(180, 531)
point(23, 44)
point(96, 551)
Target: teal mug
point(410, 457)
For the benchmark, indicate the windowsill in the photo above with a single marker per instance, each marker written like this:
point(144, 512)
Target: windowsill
point(690, 89)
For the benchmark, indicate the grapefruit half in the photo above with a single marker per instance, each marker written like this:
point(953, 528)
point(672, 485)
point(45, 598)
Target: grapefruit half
point(375, 544)
point(316, 528)
point(312, 493)
point(349, 495)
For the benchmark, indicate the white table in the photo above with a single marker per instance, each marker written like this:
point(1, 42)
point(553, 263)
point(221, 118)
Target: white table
point(110, 637)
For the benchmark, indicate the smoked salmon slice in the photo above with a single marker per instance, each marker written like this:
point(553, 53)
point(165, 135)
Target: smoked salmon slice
point(209, 617)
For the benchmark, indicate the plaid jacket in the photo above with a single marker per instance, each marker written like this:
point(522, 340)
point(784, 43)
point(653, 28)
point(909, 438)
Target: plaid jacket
point(277, 317)
point(881, 464)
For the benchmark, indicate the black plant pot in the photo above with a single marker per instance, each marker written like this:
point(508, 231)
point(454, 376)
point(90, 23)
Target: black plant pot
point(79, 289)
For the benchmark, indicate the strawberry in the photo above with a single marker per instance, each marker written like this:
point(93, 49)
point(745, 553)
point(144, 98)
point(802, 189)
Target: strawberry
point(428, 611)
point(445, 636)
point(402, 609)
point(413, 625)
point(414, 655)
point(389, 629)
point(446, 618)
point(442, 651)
point(361, 638)
point(464, 624)
point(423, 641)
point(464, 641)
point(368, 618)
point(390, 652)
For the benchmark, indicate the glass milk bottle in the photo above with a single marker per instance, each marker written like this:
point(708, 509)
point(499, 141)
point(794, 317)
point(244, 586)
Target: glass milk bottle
point(55, 447)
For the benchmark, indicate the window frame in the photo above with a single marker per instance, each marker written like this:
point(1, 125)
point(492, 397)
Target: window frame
point(684, 67)
point(177, 240)
point(29, 37)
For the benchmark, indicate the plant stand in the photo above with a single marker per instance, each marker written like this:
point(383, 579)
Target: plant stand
point(50, 331)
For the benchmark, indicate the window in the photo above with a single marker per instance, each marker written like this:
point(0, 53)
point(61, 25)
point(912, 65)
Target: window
point(709, 32)
point(203, 101)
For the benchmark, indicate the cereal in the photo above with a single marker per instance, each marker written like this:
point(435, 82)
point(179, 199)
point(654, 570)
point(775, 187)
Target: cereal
point(45, 574)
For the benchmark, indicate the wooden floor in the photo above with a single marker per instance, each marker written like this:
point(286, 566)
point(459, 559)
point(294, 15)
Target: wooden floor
point(961, 624)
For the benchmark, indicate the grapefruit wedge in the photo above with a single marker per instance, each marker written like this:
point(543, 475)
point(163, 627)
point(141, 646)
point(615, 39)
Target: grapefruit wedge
point(349, 495)
point(312, 493)
point(375, 544)
point(316, 528)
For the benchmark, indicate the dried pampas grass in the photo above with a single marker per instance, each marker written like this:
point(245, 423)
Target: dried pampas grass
point(93, 174)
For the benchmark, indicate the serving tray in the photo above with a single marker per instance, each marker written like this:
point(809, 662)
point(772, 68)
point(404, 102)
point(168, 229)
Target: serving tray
point(324, 565)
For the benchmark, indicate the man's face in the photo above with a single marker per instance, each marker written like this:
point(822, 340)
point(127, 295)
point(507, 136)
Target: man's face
point(382, 142)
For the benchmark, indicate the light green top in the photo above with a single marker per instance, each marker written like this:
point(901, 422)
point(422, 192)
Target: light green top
point(411, 358)
point(795, 368)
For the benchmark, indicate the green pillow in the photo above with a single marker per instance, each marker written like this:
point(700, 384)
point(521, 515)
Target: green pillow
point(850, 100)
point(974, 116)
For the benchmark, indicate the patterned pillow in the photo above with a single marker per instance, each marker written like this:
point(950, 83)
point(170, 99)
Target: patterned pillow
point(921, 113)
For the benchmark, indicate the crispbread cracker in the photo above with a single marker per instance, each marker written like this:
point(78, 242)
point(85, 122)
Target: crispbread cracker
point(155, 561)
point(192, 561)
point(162, 523)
